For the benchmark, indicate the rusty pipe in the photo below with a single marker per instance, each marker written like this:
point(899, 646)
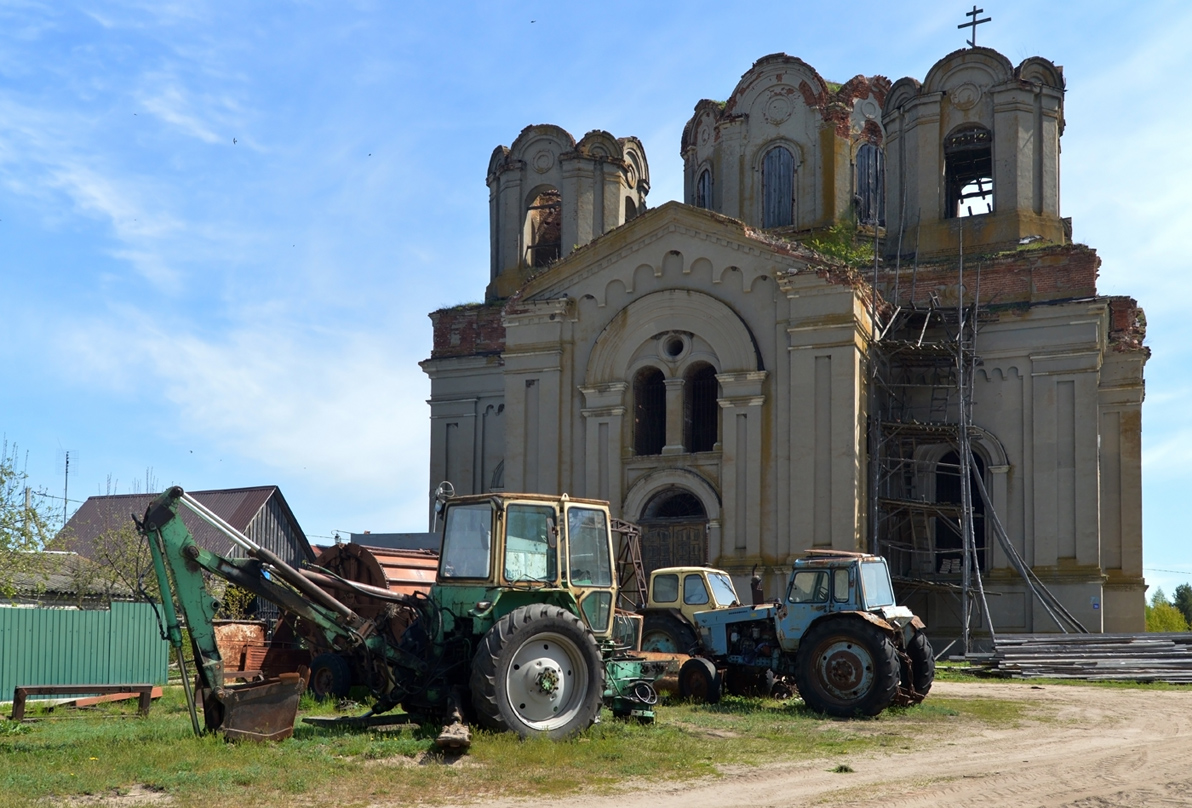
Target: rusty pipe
point(352, 586)
point(295, 579)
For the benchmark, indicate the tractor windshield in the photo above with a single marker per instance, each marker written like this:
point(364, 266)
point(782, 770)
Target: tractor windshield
point(875, 580)
point(530, 547)
point(589, 553)
point(722, 589)
point(467, 541)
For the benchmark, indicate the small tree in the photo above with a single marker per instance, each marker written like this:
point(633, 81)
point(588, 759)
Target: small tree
point(1162, 616)
point(24, 521)
point(1183, 601)
point(123, 561)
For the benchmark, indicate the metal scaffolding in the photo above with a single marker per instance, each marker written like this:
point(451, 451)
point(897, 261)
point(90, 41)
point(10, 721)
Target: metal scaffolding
point(931, 515)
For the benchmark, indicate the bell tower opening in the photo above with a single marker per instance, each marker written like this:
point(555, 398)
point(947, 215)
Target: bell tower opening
point(544, 229)
point(968, 172)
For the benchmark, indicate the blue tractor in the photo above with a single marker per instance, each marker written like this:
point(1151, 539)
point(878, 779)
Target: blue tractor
point(836, 633)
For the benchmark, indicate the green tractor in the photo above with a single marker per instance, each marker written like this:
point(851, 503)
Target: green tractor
point(519, 631)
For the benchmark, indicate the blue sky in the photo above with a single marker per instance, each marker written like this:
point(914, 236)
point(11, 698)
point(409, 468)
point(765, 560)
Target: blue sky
point(222, 225)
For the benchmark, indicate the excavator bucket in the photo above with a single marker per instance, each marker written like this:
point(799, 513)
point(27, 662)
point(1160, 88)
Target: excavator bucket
point(257, 711)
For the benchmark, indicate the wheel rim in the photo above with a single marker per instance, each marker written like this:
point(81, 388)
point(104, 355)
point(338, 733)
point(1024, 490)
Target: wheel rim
point(844, 669)
point(322, 681)
point(659, 641)
point(547, 681)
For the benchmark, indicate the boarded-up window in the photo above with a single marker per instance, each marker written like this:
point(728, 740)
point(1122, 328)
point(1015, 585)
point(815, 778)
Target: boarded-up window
point(544, 226)
point(968, 172)
point(871, 185)
point(700, 410)
point(703, 190)
point(649, 412)
point(778, 188)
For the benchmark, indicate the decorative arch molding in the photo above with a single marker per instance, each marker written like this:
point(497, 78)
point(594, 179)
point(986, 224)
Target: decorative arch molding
point(997, 67)
point(556, 136)
point(794, 147)
point(1041, 71)
point(644, 489)
point(903, 92)
point(671, 310)
point(782, 70)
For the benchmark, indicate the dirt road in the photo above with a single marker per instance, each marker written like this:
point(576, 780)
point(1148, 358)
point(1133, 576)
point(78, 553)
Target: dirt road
point(1093, 748)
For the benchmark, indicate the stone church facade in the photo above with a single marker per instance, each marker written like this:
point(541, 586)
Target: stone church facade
point(704, 369)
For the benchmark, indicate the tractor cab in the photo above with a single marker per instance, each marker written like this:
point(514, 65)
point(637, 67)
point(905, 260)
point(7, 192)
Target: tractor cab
point(499, 553)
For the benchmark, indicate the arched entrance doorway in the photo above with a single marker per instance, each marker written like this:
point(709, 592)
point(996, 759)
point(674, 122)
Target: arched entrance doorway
point(674, 530)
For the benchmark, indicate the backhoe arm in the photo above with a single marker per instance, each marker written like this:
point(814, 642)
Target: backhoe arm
point(179, 564)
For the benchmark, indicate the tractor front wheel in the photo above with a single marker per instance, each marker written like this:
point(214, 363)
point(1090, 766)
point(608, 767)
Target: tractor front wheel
point(538, 672)
point(699, 681)
point(847, 667)
point(922, 673)
point(330, 677)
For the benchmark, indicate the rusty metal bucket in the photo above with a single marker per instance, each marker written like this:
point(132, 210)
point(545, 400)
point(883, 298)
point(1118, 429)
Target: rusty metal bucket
point(256, 711)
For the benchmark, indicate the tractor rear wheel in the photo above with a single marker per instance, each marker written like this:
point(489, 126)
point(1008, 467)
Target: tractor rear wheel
point(847, 667)
point(330, 677)
point(699, 681)
point(538, 672)
point(662, 631)
point(922, 673)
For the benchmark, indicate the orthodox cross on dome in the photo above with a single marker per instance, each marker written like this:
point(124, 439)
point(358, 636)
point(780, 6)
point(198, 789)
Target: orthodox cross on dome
point(973, 23)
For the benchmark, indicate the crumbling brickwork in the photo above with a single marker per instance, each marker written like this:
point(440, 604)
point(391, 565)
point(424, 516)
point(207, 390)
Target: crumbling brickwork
point(473, 330)
point(1127, 325)
point(1027, 276)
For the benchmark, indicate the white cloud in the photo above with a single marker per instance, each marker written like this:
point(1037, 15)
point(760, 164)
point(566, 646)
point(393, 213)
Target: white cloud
point(174, 106)
point(339, 405)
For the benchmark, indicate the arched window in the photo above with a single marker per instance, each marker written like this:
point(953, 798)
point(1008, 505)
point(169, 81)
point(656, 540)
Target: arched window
point(703, 190)
point(630, 208)
point(701, 414)
point(778, 188)
point(949, 545)
point(649, 412)
point(544, 229)
point(968, 172)
point(871, 185)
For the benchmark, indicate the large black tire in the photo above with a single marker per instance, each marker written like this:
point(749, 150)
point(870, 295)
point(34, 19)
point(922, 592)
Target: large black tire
point(330, 677)
point(538, 672)
point(922, 673)
point(846, 667)
point(699, 681)
point(662, 631)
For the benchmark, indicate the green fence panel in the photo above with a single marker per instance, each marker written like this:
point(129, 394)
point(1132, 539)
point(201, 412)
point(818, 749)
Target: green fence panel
point(120, 645)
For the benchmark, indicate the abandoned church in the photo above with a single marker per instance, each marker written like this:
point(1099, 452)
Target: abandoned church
point(865, 328)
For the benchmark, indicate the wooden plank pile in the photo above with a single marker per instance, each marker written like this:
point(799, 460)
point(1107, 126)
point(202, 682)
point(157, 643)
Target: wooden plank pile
point(1107, 657)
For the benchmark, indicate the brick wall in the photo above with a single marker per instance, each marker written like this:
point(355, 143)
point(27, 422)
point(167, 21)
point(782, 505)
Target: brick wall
point(1025, 276)
point(1127, 324)
point(474, 330)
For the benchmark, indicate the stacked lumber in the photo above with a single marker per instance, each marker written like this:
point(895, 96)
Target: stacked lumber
point(1156, 657)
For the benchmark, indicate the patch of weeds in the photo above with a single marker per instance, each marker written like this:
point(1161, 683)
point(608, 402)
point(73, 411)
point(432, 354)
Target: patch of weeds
point(842, 768)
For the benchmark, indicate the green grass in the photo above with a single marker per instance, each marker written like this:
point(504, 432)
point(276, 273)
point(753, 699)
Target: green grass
point(108, 750)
